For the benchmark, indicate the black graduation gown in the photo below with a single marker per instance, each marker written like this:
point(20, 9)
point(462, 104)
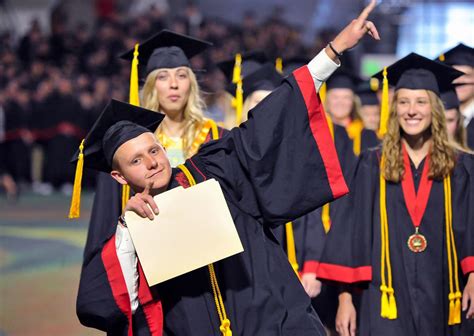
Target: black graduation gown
point(277, 166)
point(420, 280)
point(470, 134)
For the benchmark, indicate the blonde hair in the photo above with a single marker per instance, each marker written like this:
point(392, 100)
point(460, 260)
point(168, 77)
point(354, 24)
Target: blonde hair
point(442, 152)
point(193, 110)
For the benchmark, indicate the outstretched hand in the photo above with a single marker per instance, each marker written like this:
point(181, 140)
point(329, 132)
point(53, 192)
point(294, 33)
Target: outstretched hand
point(350, 36)
point(141, 203)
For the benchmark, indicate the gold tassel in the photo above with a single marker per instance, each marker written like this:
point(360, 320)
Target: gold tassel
point(451, 309)
point(134, 98)
point(457, 308)
point(75, 209)
point(392, 305)
point(384, 109)
point(238, 100)
point(279, 65)
point(442, 58)
point(384, 306)
point(374, 84)
point(322, 92)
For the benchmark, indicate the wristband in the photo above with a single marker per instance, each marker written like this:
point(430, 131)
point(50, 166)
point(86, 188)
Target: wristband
point(338, 54)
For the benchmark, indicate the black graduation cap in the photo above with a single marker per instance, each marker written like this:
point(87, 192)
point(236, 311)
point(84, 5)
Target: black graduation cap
point(265, 78)
point(367, 92)
point(343, 79)
point(416, 72)
point(293, 63)
point(167, 49)
point(251, 61)
point(459, 55)
point(118, 123)
point(450, 99)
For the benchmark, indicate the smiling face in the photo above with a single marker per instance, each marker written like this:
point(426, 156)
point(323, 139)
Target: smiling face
point(173, 87)
point(140, 162)
point(339, 104)
point(413, 111)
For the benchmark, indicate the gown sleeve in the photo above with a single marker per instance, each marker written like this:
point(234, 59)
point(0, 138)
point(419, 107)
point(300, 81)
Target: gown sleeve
point(346, 257)
point(282, 159)
point(467, 250)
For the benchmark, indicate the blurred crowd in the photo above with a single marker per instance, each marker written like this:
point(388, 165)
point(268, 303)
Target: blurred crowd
point(54, 84)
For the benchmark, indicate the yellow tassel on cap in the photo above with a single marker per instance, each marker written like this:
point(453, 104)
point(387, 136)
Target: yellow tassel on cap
point(75, 209)
point(374, 84)
point(133, 99)
point(384, 109)
point(442, 58)
point(236, 75)
point(279, 65)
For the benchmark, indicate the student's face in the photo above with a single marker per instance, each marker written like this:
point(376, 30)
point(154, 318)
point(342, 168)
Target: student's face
point(339, 103)
point(452, 118)
point(466, 91)
point(413, 111)
point(370, 115)
point(173, 87)
point(142, 161)
point(256, 97)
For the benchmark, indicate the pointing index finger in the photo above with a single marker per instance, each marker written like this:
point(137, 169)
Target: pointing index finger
point(365, 13)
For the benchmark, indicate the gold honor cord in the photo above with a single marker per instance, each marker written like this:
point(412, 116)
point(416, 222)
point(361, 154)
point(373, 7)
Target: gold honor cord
point(388, 303)
point(219, 302)
point(133, 99)
point(454, 291)
point(290, 247)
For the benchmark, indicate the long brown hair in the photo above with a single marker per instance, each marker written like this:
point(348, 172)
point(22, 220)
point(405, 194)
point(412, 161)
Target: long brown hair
point(193, 111)
point(442, 152)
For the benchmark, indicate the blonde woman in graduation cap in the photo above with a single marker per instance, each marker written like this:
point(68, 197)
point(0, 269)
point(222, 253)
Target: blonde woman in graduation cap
point(405, 234)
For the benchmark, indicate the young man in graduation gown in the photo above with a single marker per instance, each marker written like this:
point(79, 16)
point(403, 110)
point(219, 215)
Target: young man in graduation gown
point(278, 165)
point(404, 237)
point(461, 57)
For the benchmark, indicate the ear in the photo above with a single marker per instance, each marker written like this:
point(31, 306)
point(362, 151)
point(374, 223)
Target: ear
point(117, 176)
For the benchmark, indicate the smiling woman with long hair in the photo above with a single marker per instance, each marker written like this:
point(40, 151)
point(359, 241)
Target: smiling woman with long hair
point(407, 228)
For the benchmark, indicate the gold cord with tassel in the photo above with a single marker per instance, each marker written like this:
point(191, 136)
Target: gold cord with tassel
point(388, 303)
point(454, 295)
point(290, 247)
point(219, 302)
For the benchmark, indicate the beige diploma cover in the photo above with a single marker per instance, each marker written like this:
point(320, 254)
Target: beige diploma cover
point(193, 229)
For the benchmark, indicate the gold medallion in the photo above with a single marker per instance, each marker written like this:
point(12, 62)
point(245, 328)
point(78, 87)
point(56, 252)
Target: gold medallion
point(417, 242)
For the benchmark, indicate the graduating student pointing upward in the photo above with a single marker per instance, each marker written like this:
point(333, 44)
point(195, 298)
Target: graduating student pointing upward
point(277, 166)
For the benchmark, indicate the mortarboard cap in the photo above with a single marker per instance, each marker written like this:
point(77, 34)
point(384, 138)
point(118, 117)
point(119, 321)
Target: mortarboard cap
point(450, 99)
point(459, 55)
point(416, 72)
point(265, 78)
point(118, 123)
point(293, 63)
point(167, 49)
point(343, 79)
point(251, 61)
point(367, 92)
